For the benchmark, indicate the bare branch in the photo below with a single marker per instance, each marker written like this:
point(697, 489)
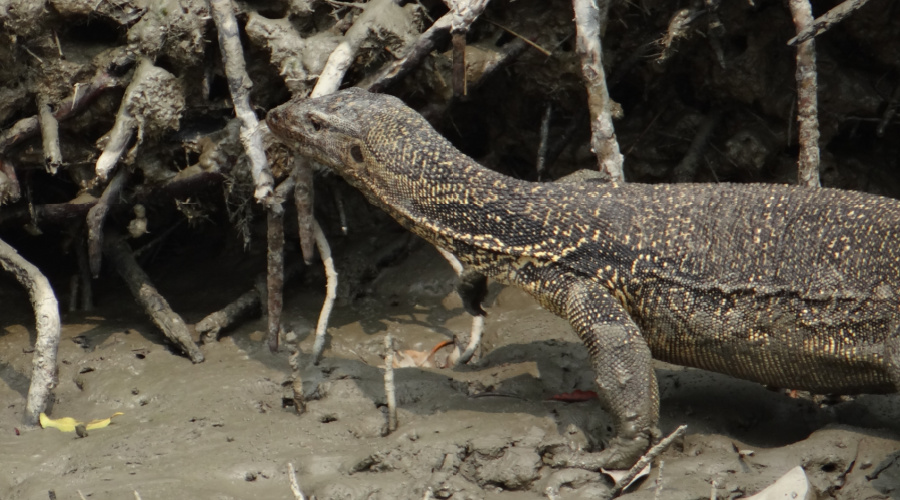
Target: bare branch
point(423, 46)
point(239, 84)
point(807, 106)
point(588, 16)
point(824, 22)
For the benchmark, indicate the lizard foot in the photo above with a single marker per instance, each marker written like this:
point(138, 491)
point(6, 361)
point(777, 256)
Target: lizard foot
point(620, 454)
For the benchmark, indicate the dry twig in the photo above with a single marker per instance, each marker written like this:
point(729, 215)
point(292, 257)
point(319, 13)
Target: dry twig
point(46, 314)
point(423, 46)
point(824, 22)
point(340, 59)
point(390, 391)
point(295, 486)
point(807, 106)
point(462, 14)
point(588, 16)
point(648, 457)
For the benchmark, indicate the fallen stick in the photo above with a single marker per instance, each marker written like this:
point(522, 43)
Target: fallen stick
point(246, 304)
point(44, 370)
point(249, 301)
point(648, 457)
point(148, 297)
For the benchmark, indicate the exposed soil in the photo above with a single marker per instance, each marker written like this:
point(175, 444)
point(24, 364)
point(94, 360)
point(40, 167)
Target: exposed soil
point(222, 428)
point(219, 430)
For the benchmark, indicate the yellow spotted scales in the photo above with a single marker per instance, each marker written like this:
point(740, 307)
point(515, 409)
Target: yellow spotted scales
point(788, 286)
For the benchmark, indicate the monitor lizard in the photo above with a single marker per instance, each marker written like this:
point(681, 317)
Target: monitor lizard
point(783, 285)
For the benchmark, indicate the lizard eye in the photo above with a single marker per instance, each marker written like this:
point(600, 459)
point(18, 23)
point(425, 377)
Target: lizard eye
point(356, 153)
point(316, 123)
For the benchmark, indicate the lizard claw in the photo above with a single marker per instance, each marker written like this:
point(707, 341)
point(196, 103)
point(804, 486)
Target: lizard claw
point(620, 454)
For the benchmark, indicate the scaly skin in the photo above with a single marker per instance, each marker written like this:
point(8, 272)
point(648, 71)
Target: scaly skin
point(787, 286)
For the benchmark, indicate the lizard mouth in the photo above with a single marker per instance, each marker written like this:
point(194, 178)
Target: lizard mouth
point(276, 121)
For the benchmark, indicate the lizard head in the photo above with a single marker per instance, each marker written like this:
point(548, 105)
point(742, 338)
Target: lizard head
point(349, 131)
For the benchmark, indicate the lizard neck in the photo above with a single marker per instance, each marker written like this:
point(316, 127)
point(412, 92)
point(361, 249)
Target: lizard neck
point(453, 202)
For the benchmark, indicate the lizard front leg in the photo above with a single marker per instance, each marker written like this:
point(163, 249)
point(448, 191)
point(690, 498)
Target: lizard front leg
point(622, 363)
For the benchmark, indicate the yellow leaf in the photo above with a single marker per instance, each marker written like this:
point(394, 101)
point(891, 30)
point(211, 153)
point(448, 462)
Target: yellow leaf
point(99, 424)
point(65, 424)
point(68, 424)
